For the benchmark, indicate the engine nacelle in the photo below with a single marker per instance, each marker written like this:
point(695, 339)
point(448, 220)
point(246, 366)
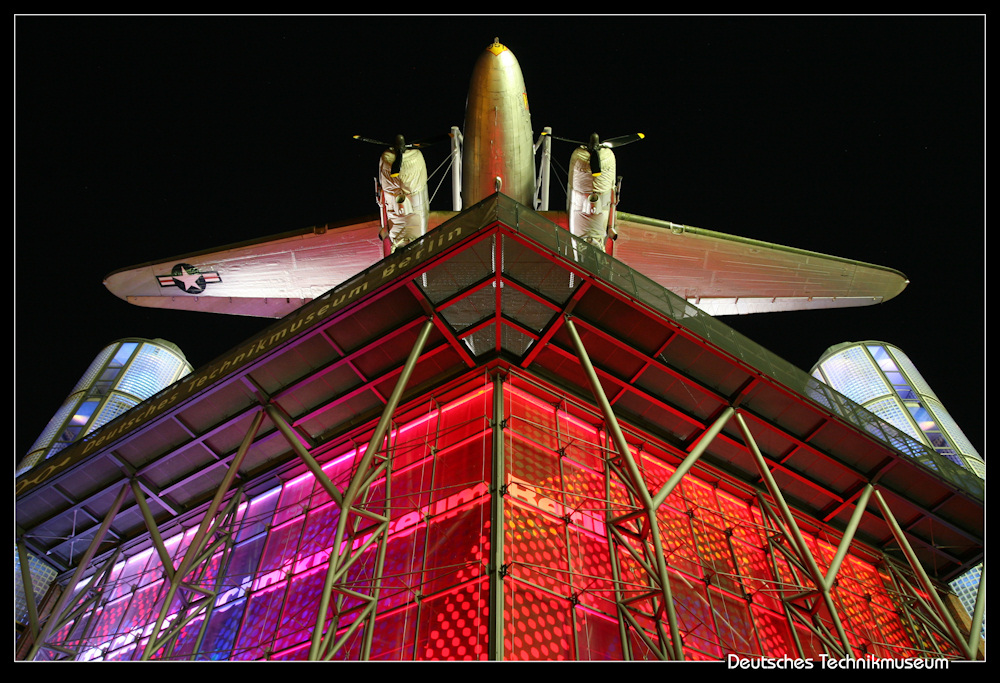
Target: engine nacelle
point(403, 197)
point(589, 197)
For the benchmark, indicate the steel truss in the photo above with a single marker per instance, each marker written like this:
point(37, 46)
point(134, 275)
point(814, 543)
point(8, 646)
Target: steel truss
point(636, 533)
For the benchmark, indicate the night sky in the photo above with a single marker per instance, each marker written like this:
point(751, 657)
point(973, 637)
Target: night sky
point(141, 138)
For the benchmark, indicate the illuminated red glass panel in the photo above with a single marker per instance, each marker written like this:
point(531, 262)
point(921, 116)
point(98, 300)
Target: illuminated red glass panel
point(409, 487)
point(108, 621)
point(532, 473)
point(592, 576)
point(821, 552)
point(811, 644)
point(581, 441)
point(741, 519)
point(130, 576)
point(774, 633)
point(279, 553)
point(532, 418)
point(537, 626)
point(694, 618)
point(301, 605)
point(701, 498)
point(338, 470)
point(733, 625)
point(256, 516)
point(453, 625)
point(294, 499)
point(535, 548)
point(318, 533)
point(855, 613)
point(457, 547)
point(654, 472)
point(677, 541)
point(462, 468)
point(584, 497)
point(186, 639)
point(401, 568)
point(394, 635)
point(465, 417)
point(756, 575)
point(713, 550)
point(144, 607)
point(415, 440)
point(633, 583)
point(598, 638)
point(789, 581)
point(360, 578)
point(205, 574)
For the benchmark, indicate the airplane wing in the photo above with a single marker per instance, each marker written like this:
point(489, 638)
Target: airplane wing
point(721, 274)
point(267, 278)
point(728, 275)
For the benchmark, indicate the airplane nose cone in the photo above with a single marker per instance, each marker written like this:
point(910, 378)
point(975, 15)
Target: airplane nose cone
point(497, 47)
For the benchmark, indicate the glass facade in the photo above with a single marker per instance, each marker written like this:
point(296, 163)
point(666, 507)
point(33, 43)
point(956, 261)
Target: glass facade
point(533, 491)
point(124, 374)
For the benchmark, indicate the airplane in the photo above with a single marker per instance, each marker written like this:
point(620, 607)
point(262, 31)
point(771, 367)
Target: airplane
point(719, 273)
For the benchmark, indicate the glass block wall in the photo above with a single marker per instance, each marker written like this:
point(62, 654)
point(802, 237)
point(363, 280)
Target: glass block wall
point(42, 576)
point(966, 587)
point(565, 581)
point(884, 380)
point(123, 374)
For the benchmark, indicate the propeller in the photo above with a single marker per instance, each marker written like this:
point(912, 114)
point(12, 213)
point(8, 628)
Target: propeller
point(595, 144)
point(398, 146)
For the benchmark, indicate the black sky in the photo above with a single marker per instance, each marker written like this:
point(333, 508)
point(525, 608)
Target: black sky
point(140, 138)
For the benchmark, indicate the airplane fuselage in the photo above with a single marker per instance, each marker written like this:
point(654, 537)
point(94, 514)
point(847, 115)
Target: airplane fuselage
point(497, 135)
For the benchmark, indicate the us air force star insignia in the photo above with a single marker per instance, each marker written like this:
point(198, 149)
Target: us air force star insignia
point(188, 278)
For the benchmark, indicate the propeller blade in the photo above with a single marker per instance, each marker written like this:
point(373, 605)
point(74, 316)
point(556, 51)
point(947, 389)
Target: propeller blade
point(373, 141)
point(622, 140)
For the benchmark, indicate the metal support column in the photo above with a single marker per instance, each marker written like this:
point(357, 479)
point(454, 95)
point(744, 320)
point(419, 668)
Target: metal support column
point(544, 169)
point(796, 536)
point(658, 572)
point(958, 639)
point(344, 554)
point(29, 589)
point(456, 168)
point(978, 613)
point(498, 489)
point(84, 563)
point(195, 552)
